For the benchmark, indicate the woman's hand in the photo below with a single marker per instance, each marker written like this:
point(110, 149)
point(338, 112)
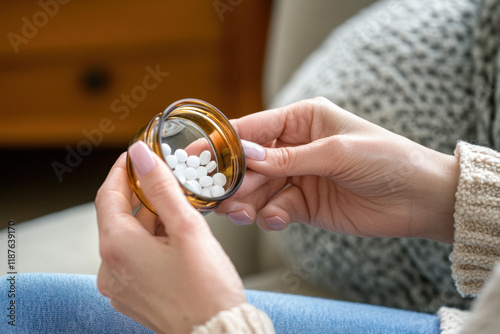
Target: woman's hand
point(324, 166)
point(168, 272)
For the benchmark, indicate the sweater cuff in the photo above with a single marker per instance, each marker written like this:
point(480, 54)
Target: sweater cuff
point(452, 320)
point(476, 247)
point(240, 319)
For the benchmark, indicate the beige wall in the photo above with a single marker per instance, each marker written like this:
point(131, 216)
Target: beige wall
point(297, 28)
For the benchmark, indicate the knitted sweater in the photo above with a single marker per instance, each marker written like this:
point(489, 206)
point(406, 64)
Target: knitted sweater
point(476, 249)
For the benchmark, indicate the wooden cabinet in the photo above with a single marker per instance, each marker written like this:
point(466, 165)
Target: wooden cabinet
point(68, 66)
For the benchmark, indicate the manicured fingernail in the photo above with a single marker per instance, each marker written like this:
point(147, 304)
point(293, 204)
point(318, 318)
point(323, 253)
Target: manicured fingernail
point(275, 222)
point(253, 151)
point(240, 217)
point(141, 157)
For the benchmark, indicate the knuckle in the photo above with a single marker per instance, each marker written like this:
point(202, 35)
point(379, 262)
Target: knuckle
point(160, 188)
point(340, 145)
point(110, 252)
point(285, 201)
point(285, 159)
point(320, 100)
point(317, 103)
point(341, 149)
point(157, 188)
point(189, 224)
point(323, 106)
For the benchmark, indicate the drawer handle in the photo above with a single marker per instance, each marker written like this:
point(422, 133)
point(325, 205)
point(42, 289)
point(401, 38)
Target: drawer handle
point(96, 79)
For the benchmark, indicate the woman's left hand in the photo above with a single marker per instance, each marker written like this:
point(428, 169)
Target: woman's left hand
point(167, 272)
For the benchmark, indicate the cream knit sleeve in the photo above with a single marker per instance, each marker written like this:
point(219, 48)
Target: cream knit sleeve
point(476, 247)
point(240, 319)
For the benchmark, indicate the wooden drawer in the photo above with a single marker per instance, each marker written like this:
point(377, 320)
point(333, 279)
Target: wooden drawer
point(96, 60)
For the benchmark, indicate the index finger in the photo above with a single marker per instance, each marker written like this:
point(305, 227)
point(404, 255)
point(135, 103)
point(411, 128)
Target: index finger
point(291, 124)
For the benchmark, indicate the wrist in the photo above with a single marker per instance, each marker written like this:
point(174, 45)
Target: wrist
point(436, 203)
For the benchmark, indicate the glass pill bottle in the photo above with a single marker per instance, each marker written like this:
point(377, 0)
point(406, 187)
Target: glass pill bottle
point(202, 149)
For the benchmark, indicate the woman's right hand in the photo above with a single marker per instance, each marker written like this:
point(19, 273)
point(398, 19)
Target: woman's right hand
point(321, 165)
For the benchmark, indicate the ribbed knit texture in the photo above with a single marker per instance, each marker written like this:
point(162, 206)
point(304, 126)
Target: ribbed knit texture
point(243, 319)
point(476, 248)
point(452, 320)
point(423, 69)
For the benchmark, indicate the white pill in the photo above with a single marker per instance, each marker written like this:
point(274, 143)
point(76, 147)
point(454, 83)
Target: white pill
point(165, 150)
point(181, 155)
point(171, 161)
point(220, 179)
point(193, 161)
point(193, 186)
point(202, 171)
point(180, 176)
point(217, 191)
point(190, 173)
point(211, 166)
point(206, 181)
point(205, 157)
point(207, 192)
point(181, 167)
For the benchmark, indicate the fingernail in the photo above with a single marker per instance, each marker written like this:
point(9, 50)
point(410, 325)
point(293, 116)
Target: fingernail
point(141, 157)
point(240, 217)
point(253, 151)
point(275, 222)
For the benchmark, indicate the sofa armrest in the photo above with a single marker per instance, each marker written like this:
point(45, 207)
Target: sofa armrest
point(68, 242)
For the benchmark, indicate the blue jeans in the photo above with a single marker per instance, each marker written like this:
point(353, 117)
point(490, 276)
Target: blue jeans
point(62, 303)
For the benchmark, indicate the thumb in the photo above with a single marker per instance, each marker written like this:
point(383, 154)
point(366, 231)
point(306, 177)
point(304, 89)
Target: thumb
point(162, 190)
point(314, 158)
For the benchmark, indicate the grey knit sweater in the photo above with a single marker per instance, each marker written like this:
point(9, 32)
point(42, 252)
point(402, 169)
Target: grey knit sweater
point(424, 69)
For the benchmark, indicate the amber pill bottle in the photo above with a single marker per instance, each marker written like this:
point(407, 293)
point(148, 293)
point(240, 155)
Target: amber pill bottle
point(194, 125)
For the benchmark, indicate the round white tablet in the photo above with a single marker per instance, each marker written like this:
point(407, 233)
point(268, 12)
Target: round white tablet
point(193, 186)
point(207, 192)
point(171, 161)
point(205, 157)
point(193, 161)
point(220, 179)
point(181, 167)
point(165, 150)
point(206, 181)
point(190, 173)
point(180, 176)
point(202, 171)
point(181, 155)
point(217, 191)
point(211, 166)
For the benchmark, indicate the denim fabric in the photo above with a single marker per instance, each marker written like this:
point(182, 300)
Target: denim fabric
point(62, 303)
point(299, 314)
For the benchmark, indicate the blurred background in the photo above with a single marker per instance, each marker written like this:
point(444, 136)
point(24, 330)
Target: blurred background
point(78, 79)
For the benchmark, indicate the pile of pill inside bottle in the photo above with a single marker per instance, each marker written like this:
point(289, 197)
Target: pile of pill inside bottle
point(197, 173)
